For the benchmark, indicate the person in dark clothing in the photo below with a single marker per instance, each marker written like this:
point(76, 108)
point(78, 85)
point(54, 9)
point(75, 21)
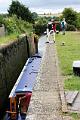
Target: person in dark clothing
point(50, 26)
point(51, 29)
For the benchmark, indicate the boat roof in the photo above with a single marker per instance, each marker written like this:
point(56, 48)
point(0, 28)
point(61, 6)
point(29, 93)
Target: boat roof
point(26, 80)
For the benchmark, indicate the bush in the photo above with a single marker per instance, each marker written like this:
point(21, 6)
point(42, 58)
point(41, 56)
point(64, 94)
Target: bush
point(15, 25)
point(40, 26)
point(70, 28)
point(1, 20)
point(10, 25)
point(39, 29)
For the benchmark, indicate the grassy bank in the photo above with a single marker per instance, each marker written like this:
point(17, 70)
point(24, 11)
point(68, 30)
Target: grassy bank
point(14, 27)
point(8, 38)
point(13, 36)
point(67, 54)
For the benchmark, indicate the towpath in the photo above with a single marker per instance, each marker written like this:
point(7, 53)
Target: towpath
point(47, 99)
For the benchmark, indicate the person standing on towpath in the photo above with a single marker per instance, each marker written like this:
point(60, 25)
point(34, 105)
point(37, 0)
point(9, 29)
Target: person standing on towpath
point(51, 29)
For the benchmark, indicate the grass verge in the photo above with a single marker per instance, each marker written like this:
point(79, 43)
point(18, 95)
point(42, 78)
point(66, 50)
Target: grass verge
point(67, 54)
point(8, 38)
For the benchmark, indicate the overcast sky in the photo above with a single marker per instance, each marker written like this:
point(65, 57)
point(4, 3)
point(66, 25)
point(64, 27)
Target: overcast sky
point(41, 6)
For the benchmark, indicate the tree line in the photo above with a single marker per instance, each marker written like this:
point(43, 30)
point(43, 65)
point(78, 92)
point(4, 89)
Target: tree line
point(19, 17)
point(72, 18)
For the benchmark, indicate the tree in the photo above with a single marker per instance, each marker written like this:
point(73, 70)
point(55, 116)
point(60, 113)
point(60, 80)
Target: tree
point(20, 10)
point(70, 16)
point(34, 16)
point(40, 25)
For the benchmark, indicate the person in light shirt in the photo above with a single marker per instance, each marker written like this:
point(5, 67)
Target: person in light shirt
point(63, 26)
point(51, 29)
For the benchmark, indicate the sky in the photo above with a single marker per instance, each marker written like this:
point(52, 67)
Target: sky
point(43, 6)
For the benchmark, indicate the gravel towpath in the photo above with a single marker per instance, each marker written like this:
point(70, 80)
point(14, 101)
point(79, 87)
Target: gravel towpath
point(46, 101)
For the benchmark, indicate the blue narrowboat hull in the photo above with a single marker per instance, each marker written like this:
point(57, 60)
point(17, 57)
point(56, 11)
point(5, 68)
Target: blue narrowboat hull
point(23, 87)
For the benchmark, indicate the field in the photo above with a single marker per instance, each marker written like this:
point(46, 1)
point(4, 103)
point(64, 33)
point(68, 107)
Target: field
point(67, 54)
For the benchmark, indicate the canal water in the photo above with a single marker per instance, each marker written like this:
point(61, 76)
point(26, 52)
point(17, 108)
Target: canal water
point(41, 44)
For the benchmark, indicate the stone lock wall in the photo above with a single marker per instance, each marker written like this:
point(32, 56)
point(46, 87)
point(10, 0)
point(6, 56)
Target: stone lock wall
point(12, 59)
point(32, 41)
